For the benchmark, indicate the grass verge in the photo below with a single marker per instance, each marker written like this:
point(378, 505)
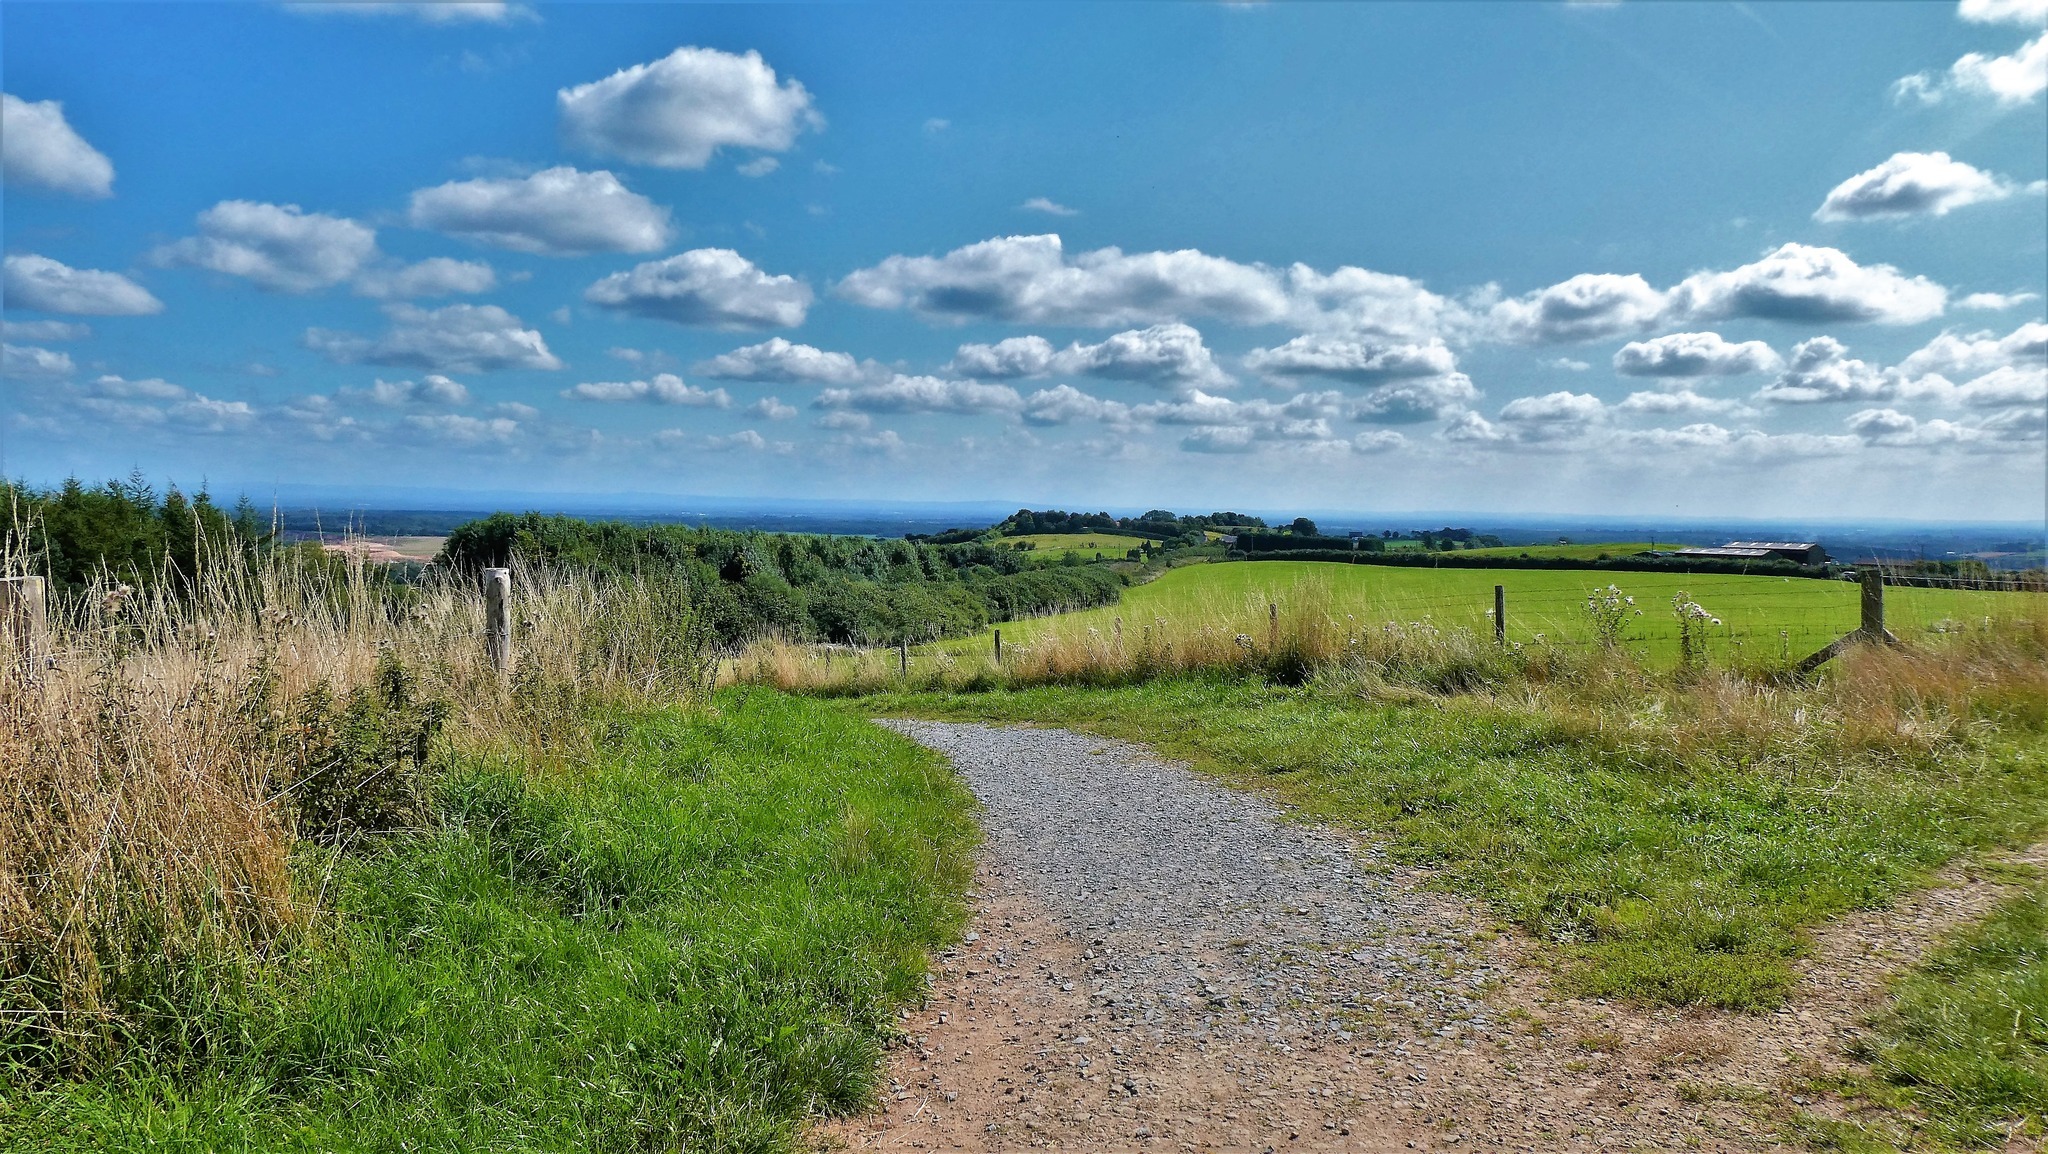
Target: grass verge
point(688, 933)
point(1669, 845)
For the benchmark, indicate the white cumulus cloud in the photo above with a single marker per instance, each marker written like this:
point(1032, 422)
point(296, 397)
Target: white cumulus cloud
point(1585, 307)
point(1066, 405)
point(40, 150)
point(1029, 356)
point(556, 212)
point(1693, 355)
point(34, 363)
point(1822, 370)
point(679, 110)
point(662, 389)
point(436, 276)
point(1344, 359)
point(434, 389)
point(780, 361)
point(457, 338)
point(2008, 81)
point(1412, 402)
point(708, 288)
point(908, 394)
point(280, 247)
point(1798, 282)
point(1915, 184)
point(28, 281)
point(1161, 354)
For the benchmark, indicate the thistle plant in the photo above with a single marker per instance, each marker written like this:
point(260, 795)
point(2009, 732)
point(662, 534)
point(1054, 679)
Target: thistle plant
point(1609, 611)
point(1693, 620)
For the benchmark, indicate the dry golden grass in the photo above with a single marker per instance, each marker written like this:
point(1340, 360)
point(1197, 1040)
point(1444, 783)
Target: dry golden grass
point(148, 769)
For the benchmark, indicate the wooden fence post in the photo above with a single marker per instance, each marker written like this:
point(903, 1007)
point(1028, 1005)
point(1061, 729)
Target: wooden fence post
point(1873, 604)
point(1500, 615)
point(1272, 627)
point(903, 655)
point(25, 617)
point(498, 619)
point(999, 647)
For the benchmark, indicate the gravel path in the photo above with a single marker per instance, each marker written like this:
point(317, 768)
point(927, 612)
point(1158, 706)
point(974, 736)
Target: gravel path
point(1205, 911)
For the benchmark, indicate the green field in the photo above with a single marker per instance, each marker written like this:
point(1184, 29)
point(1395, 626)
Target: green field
point(1110, 545)
point(1763, 618)
point(1592, 551)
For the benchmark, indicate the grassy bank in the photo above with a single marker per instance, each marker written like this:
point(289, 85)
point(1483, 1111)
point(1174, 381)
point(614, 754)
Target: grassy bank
point(689, 933)
point(1670, 841)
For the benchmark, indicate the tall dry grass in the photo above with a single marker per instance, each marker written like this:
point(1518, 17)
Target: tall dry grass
point(1935, 689)
point(159, 769)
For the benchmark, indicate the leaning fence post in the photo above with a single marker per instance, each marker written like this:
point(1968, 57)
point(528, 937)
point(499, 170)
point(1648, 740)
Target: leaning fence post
point(1500, 615)
point(498, 619)
point(25, 615)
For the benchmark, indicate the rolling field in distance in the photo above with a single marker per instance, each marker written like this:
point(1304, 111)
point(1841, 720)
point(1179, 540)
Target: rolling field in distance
point(1754, 611)
point(1086, 544)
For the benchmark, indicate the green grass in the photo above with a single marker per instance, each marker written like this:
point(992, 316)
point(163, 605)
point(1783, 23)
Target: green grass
point(1052, 546)
point(691, 943)
point(1681, 876)
point(1753, 610)
point(1965, 1042)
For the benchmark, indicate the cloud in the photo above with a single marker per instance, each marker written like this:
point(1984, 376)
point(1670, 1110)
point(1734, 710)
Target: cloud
point(1796, 282)
point(1995, 302)
point(280, 247)
point(1066, 405)
point(2025, 13)
point(457, 338)
point(555, 212)
point(443, 12)
point(44, 285)
point(1226, 426)
point(1809, 283)
point(771, 409)
point(2006, 385)
point(705, 287)
point(1586, 307)
point(157, 402)
point(663, 389)
point(1030, 356)
point(907, 394)
point(781, 362)
point(758, 167)
point(1352, 360)
point(1915, 184)
point(844, 419)
point(40, 150)
point(1693, 355)
point(435, 389)
point(1566, 364)
point(32, 363)
point(44, 330)
point(678, 111)
point(1893, 428)
point(1682, 401)
point(436, 276)
point(1377, 441)
point(1030, 280)
point(937, 124)
point(1161, 354)
point(1552, 416)
point(1048, 206)
point(1958, 354)
point(462, 429)
point(1412, 402)
point(1821, 370)
point(2008, 81)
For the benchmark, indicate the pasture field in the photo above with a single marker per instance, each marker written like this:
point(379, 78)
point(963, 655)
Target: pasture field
point(1591, 551)
point(1054, 545)
point(1763, 619)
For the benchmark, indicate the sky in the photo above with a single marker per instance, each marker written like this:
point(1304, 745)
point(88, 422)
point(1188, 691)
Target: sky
point(1705, 259)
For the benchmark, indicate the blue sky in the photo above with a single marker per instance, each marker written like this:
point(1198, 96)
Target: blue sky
point(1715, 259)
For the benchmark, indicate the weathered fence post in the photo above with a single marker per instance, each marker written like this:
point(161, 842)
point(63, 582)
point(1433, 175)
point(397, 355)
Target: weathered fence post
point(498, 619)
point(903, 655)
point(25, 617)
point(999, 647)
point(1500, 615)
point(1870, 629)
point(1873, 604)
point(1272, 627)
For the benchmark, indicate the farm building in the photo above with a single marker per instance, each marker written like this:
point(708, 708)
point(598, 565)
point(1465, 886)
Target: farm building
point(1801, 552)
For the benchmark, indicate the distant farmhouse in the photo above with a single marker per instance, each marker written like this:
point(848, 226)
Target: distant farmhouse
point(1799, 552)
